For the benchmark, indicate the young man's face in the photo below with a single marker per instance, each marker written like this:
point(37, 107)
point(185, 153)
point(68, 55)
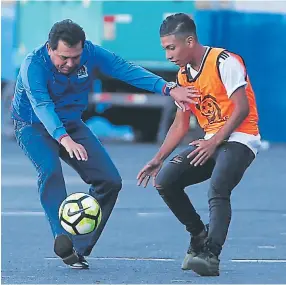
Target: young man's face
point(66, 58)
point(178, 50)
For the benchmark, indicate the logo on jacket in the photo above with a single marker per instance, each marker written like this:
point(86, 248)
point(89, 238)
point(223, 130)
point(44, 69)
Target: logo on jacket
point(82, 72)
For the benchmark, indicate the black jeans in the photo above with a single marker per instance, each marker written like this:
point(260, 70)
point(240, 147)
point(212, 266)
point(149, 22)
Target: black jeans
point(225, 169)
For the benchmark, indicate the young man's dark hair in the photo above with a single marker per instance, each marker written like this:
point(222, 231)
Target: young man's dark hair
point(67, 31)
point(178, 24)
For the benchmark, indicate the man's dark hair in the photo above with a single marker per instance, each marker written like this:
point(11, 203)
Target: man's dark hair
point(67, 31)
point(180, 25)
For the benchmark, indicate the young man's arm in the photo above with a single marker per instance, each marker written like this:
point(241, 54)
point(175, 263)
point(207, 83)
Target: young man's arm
point(175, 134)
point(233, 77)
point(115, 66)
point(240, 112)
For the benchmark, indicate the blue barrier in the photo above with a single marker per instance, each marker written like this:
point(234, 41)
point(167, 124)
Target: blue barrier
point(102, 128)
point(260, 39)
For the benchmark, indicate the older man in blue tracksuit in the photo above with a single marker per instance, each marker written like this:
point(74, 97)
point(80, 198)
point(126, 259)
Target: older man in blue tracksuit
point(50, 95)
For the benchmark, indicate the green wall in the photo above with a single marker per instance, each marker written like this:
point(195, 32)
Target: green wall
point(35, 19)
point(137, 41)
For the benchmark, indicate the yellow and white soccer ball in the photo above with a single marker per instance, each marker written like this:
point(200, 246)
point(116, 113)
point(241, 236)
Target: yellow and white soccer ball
point(80, 214)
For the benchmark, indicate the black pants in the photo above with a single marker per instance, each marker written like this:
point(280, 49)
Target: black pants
point(225, 169)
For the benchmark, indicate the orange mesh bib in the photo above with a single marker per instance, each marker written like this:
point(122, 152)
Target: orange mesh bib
point(214, 107)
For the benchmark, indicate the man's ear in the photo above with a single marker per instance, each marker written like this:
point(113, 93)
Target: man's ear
point(49, 49)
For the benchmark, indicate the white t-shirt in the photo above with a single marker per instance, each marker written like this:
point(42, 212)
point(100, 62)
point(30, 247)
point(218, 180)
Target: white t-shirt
point(233, 76)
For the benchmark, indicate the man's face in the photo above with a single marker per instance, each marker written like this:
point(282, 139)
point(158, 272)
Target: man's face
point(66, 58)
point(178, 50)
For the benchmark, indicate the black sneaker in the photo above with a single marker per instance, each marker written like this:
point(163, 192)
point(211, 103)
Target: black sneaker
point(81, 263)
point(206, 263)
point(63, 247)
point(195, 247)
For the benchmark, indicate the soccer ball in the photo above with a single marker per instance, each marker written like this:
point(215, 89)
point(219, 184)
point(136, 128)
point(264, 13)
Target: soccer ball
point(80, 214)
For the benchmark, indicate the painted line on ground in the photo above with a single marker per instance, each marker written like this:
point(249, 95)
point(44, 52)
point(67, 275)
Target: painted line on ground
point(22, 181)
point(122, 258)
point(172, 259)
point(22, 213)
point(266, 246)
point(259, 260)
point(152, 214)
point(41, 213)
point(182, 281)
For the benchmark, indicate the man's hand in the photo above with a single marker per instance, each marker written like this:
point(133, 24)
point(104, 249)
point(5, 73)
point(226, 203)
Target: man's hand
point(74, 148)
point(205, 149)
point(184, 96)
point(152, 168)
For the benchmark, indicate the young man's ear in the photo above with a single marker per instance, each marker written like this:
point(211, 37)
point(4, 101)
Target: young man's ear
point(190, 40)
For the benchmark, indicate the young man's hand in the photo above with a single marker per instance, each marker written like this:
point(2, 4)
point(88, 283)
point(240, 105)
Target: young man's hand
point(205, 149)
point(151, 169)
point(184, 96)
point(73, 148)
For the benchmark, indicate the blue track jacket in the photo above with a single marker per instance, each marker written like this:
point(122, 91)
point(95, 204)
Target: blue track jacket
point(42, 94)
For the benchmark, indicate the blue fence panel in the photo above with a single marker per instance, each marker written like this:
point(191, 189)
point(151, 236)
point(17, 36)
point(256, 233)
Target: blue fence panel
point(261, 39)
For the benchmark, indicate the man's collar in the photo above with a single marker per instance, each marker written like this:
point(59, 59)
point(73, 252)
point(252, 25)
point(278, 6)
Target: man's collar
point(47, 58)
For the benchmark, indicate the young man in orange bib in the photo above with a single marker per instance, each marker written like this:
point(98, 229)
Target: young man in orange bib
point(224, 105)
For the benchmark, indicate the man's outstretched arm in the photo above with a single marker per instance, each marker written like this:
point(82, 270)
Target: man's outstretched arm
point(115, 66)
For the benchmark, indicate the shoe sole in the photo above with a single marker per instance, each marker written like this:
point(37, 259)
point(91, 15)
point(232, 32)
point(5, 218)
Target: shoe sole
point(63, 248)
point(201, 268)
point(82, 267)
